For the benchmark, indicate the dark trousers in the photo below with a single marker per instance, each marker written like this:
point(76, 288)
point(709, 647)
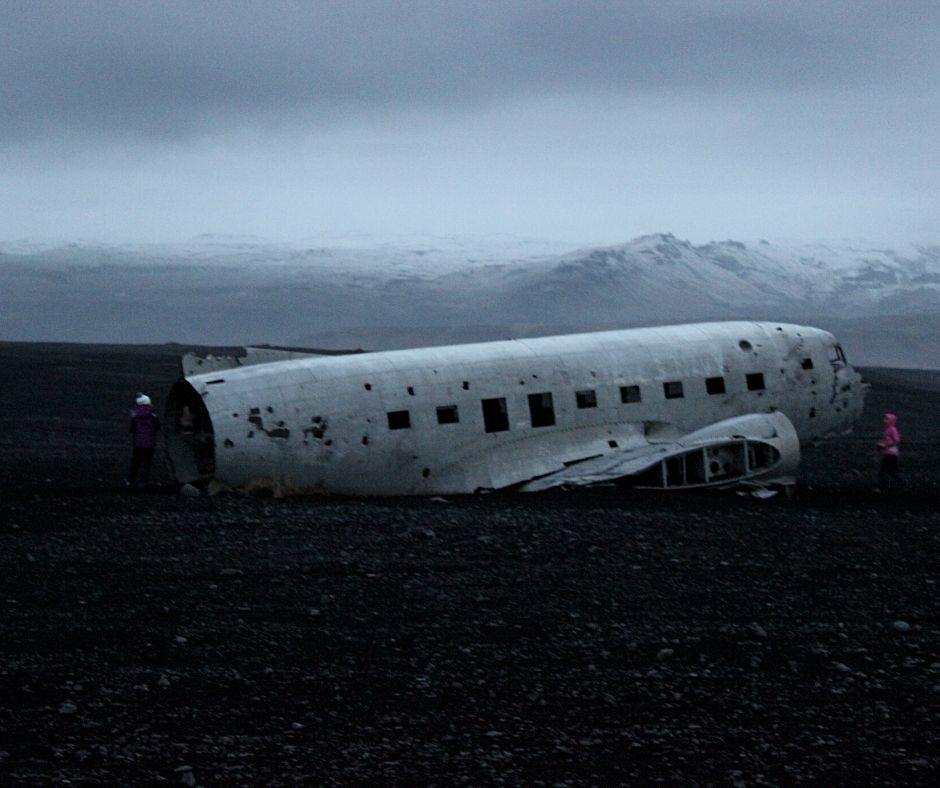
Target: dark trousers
point(888, 476)
point(141, 460)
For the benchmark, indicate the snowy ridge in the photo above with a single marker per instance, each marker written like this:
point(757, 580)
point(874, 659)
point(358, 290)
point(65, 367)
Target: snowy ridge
point(425, 290)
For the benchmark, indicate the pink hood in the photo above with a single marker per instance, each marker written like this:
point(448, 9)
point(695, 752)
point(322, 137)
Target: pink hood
point(890, 439)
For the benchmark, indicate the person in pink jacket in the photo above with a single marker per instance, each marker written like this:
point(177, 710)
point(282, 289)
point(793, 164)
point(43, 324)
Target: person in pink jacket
point(890, 449)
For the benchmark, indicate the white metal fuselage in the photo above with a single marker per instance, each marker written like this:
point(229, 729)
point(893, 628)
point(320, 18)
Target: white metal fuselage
point(492, 415)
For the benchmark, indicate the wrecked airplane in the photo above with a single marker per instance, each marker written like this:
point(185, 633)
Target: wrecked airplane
point(689, 406)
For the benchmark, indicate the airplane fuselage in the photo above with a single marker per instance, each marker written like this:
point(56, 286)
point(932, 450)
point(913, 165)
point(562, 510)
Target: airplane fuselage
point(491, 415)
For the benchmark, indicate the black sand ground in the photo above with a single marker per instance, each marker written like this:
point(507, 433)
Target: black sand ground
point(588, 638)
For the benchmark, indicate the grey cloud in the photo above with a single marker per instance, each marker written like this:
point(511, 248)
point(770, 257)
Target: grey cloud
point(175, 68)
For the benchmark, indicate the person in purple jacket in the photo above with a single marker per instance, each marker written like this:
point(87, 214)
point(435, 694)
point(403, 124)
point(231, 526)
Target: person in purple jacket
point(143, 427)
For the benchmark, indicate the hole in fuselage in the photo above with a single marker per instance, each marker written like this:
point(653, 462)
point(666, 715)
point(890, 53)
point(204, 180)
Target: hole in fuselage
point(190, 438)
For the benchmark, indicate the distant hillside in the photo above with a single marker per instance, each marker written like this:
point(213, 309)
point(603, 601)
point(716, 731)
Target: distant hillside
point(884, 303)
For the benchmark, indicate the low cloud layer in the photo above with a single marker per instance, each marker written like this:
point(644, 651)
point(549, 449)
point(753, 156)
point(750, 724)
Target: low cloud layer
point(588, 120)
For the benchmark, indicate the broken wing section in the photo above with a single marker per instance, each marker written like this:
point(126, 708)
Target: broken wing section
point(756, 449)
point(195, 364)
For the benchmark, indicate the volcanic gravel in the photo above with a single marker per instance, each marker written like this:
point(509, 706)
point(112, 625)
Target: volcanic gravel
point(587, 638)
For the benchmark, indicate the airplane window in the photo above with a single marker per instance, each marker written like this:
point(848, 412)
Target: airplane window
point(495, 414)
point(447, 414)
point(715, 385)
point(630, 394)
point(586, 398)
point(673, 389)
point(541, 409)
point(755, 381)
point(399, 420)
point(836, 353)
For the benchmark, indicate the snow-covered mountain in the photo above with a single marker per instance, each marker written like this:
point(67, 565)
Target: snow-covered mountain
point(731, 278)
point(430, 290)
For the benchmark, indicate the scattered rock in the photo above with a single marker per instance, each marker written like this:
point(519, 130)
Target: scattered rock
point(757, 630)
point(190, 491)
point(841, 667)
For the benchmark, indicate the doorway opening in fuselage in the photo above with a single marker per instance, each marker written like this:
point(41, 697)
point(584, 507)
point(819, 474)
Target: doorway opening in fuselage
point(190, 438)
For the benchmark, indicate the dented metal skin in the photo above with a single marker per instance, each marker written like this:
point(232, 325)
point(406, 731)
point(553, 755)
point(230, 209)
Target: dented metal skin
point(701, 405)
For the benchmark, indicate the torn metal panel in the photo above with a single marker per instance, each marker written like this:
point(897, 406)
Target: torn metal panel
point(194, 364)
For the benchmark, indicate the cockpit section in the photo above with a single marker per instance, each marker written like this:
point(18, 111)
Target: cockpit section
point(837, 356)
point(190, 438)
point(847, 397)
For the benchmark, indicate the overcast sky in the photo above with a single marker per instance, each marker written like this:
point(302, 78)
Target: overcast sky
point(576, 121)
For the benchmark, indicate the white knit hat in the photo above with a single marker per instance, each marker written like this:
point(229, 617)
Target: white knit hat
point(143, 399)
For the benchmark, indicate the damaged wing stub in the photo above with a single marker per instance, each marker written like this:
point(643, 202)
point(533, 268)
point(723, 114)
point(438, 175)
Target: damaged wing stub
point(195, 364)
point(708, 405)
point(758, 450)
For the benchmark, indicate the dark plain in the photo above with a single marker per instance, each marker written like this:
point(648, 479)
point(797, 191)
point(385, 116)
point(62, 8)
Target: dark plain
point(592, 637)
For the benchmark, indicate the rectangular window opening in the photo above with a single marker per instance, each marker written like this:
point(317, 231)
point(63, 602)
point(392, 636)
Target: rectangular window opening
point(630, 394)
point(755, 381)
point(715, 385)
point(448, 414)
point(399, 420)
point(541, 409)
point(807, 363)
point(586, 398)
point(836, 354)
point(495, 414)
point(673, 389)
